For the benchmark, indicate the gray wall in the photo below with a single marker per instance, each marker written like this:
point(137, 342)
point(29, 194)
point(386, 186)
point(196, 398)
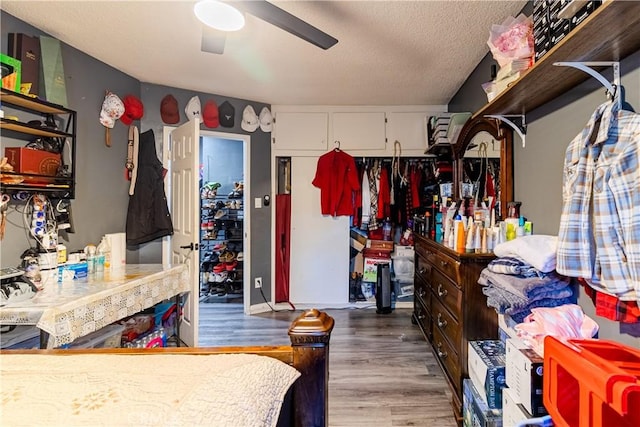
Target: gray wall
point(102, 198)
point(538, 166)
point(101, 192)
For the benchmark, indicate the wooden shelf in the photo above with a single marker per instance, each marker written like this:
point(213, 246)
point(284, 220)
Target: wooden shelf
point(611, 33)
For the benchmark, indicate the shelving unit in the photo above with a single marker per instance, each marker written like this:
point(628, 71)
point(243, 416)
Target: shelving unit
point(61, 186)
point(221, 219)
point(611, 33)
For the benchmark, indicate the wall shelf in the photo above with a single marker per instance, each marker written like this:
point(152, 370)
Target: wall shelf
point(611, 33)
point(61, 185)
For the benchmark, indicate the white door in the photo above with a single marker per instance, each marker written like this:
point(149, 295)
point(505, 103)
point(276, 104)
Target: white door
point(319, 272)
point(185, 156)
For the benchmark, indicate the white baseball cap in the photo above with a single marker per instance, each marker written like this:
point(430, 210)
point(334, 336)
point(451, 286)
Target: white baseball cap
point(266, 120)
point(193, 109)
point(249, 119)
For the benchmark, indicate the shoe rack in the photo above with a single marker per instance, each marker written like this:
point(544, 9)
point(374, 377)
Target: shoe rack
point(221, 240)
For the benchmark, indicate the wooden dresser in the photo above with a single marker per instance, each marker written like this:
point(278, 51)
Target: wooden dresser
point(450, 308)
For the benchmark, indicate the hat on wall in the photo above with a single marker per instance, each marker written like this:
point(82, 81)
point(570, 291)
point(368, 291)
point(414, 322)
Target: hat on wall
point(133, 109)
point(169, 110)
point(249, 119)
point(266, 120)
point(210, 114)
point(192, 110)
point(227, 114)
point(112, 110)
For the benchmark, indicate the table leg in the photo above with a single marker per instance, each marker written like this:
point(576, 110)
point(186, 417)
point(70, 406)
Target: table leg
point(178, 318)
point(44, 339)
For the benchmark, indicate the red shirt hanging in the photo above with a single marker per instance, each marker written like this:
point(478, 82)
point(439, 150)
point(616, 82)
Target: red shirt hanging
point(337, 179)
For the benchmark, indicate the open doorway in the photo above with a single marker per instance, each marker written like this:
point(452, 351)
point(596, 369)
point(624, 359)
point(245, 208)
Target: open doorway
point(221, 220)
point(187, 206)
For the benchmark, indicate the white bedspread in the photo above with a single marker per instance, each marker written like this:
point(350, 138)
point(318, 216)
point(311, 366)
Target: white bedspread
point(132, 390)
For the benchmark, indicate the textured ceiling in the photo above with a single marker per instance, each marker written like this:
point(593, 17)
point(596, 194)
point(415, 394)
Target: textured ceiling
point(389, 52)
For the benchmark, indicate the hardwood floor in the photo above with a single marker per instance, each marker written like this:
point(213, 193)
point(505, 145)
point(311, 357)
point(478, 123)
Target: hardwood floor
point(381, 370)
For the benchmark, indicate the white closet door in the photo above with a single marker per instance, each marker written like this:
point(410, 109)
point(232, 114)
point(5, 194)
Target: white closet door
point(319, 269)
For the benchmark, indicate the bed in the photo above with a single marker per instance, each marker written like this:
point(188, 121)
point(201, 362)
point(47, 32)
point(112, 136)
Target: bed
point(217, 386)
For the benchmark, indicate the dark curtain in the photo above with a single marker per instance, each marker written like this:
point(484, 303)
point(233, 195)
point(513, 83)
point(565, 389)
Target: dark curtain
point(283, 247)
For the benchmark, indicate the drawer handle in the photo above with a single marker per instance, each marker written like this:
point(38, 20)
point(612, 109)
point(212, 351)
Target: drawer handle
point(442, 292)
point(441, 323)
point(422, 270)
point(422, 293)
point(443, 263)
point(441, 354)
point(421, 316)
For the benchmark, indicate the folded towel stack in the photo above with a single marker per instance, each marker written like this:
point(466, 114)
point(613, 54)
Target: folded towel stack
point(514, 287)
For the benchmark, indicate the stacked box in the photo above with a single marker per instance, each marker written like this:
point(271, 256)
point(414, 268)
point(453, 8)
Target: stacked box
point(559, 27)
point(541, 36)
point(486, 364)
point(475, 412)
point(524, 375)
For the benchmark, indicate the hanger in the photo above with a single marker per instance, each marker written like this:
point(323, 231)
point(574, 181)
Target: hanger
point(337, 145)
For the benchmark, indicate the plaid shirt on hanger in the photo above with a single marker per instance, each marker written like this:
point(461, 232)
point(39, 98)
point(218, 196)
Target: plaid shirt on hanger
point(599, 236)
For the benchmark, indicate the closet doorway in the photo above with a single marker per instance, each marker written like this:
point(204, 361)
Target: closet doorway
point(223, 158)
point(222, 220)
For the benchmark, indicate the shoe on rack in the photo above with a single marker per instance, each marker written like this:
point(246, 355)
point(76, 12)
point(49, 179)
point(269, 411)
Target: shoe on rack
point(219, 214)
point(229, 266)
point(240, 256)
point(219, 268)
point(221, 277)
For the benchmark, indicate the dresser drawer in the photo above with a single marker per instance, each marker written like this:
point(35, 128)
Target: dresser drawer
point(448, 325)
point(447, 357)
point(447, 265)
point(426, 252)
point(423, 269)
point(422, 318)
point(447, 293)
point(422, 291)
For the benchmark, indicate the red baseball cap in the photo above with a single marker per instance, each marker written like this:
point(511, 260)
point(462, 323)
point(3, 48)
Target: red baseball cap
point(169, 110)
point(133, 109)
point(210, 115)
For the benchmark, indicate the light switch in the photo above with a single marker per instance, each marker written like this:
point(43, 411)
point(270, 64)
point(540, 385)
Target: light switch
point(258, 202)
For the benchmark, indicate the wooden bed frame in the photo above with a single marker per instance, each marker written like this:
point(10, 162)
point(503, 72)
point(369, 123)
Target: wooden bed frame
point(306, 403)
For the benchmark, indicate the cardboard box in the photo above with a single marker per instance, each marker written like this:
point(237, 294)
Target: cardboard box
point(380, 245)
point(27, 50)
point(475, 412)
point(371, 261)
point(486, 364)
point(28, 160)
point(512, 412)
point(11, 72)
point(72, 271)
point(524, 376)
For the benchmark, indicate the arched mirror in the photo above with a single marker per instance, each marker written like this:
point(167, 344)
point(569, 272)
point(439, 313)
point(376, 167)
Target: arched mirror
point(483, 164)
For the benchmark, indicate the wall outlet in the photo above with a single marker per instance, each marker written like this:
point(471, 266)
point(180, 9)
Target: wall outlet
point(258, 282)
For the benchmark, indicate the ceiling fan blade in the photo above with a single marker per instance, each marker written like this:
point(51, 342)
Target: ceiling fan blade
point(213, 41)
point(288, 22)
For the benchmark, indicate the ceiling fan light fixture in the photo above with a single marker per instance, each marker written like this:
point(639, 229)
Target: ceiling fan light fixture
point(219, 15)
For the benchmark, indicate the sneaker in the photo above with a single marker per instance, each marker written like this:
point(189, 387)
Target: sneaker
point(219, 214)
point(240, 256)
point(221, 277)
point(218, 268)
point(229, 266)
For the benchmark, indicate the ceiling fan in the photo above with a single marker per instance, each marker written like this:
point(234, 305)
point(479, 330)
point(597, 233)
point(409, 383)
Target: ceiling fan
point(213, 41)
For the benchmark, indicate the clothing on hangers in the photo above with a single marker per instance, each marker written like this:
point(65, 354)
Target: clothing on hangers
point(599, 238)
point(337, 178)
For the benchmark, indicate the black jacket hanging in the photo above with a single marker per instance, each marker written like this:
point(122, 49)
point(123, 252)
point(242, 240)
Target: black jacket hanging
point(148, 215)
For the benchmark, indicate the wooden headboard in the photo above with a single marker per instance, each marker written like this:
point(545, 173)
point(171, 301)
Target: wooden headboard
point(306, 402)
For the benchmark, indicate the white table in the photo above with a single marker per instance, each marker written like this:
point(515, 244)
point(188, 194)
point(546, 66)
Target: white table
point(66, 311)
